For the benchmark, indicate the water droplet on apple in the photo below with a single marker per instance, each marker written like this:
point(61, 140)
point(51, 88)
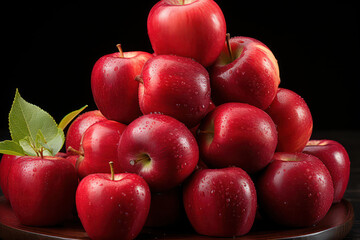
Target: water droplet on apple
point(132, 162)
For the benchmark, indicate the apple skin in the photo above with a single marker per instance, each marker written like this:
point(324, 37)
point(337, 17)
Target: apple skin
point(113, 86)
point(175, 86)
point(337, 161)
point(42, 190)
point(295, 190)
point(252, 77)
point(113, 209)
point(160, 149)
point(165, 208)
point(5, 166)
point(209, 109)
point(293, 121)
point(237, 134)
point(220, 202)
point(99, 146)
point(195, 30)
point(79, 126)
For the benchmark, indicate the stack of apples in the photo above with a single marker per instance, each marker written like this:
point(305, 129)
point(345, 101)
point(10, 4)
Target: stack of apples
point(202, 125)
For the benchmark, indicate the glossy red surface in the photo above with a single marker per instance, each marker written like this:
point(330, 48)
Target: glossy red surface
point(113, 209)
point(42, 190)
point(237, 134)
point(251, 76)
point(79, 126)
point(293, 120)
point(160, 149)
point(220, 202)
point(113, 86)
point(175, 86)
point(99, 147)
point(295, 190)
point(336, 159)
point(195, 30)
point(5, 166)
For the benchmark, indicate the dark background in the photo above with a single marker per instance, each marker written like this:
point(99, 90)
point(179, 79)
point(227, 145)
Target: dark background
point(48, 51)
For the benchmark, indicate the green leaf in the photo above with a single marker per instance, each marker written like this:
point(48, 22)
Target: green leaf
point(34, 129)
point(69, 117)
point(11, 148)
point(25, 120)
point(28, 146)
point(54, 145)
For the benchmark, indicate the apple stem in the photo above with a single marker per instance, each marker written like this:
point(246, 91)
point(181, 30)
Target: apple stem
point(143, 157)
point(111, 163)
point(205, 132)
point(41, 152)
point(74, 151)
point(228, 46)
point(139, 79)
point(120, 50)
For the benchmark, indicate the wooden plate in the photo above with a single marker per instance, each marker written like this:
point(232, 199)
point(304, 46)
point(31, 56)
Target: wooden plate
point(336, 225)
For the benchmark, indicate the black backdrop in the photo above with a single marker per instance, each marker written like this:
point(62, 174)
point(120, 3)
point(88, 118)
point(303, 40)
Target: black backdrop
point(48, 51)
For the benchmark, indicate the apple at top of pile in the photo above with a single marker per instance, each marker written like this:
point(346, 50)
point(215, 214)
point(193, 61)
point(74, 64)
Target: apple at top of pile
point(189, 28)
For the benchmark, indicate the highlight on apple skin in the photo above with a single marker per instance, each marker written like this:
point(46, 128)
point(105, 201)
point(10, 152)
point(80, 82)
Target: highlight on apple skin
point(220, 202)
point(160, 149)
point(190, 28)
point(175, 86)
point(113, 87)
point(125, 202)
point(237, 134)
point(293, 120)
point(295, 190)
point(246, 71)
point(336, 159)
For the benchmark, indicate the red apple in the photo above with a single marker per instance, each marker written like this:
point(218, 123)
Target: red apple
point(99, 145)
point(209, 109)
point(337, 161)
point(113, 206)
point(295, 190)
point(175, 86)
point(188, 28)
point(293, 121)
point(113, 86)
point(160, 149)
point(220, 202)
point(237, 134)
point(246, 71)
point(42, 190)
point(79, 126)
point(165, 208)
point(72, 159)
point(5, 166)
